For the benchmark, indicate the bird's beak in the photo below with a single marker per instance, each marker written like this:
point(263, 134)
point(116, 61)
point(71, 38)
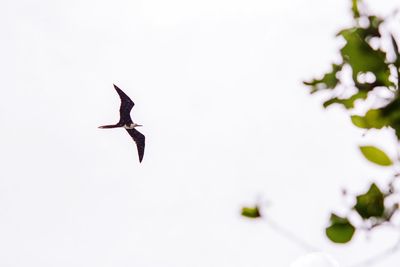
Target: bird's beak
point(138, 125)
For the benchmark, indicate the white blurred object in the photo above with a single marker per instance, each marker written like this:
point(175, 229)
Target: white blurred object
point(315, 259)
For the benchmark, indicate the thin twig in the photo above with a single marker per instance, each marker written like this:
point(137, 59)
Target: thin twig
point(375, 259)
point(289, 235)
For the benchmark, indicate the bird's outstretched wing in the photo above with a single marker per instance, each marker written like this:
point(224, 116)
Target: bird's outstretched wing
point(126, 107)
point(139, 140)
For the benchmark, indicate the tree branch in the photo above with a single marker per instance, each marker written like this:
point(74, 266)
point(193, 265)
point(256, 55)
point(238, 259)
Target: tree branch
point(289, 235)
point(379, 257)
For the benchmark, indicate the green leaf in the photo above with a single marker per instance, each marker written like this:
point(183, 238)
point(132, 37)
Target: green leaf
point(370, 204)
point(359, 121)
point(328, 81)
point(251, 212)
point(372, 119)
point(340, 229)
point(376, 155)
point(362, 57)
point(348, 103)
point(392, 114)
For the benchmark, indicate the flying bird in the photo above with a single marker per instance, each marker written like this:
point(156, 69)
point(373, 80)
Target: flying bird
point(126, 122)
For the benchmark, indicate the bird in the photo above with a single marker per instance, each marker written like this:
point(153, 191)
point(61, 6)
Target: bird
point(126, 122)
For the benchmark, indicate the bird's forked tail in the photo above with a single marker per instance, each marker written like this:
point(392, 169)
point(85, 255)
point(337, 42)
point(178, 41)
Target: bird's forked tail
point(109, 126)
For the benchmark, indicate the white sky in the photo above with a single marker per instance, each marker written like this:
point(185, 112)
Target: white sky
point(217, 86)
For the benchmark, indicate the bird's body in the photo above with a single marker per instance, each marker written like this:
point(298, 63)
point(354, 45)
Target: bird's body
point(126, 122)
point(130, 126)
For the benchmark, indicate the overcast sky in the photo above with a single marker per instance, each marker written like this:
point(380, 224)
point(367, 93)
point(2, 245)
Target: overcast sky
point(217, 86)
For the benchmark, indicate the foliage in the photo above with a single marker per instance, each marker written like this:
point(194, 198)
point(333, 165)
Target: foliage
point(370, 69)
point(251, 212)
point(367, 70)
point(340, 230)
point(375, 155)
point(370, 204)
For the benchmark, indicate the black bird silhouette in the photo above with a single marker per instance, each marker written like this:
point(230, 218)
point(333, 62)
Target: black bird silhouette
point(126, 122)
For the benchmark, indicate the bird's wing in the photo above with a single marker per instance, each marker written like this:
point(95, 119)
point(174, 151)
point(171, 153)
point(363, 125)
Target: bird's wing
point(139, 140)
point(126, 107)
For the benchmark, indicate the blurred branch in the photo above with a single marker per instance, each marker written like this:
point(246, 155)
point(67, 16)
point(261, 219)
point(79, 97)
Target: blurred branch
point(379, 257)
point(289, 235)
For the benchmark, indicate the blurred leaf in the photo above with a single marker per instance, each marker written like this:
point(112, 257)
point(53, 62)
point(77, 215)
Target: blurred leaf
point(372, 119)
point(251, 212)
point(340, 229)
point(328, 81)
point(348, 103)
point(376, 155)
point(372, 30)
point(371, 203)
point(392, 110)
point(359, 121)
point(392, 114)
point(362, 57)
